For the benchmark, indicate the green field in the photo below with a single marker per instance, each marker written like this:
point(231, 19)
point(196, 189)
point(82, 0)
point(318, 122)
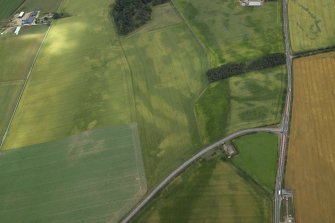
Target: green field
point(8, 98)
point(17, 52)
point(7, 7)
point(209, 191)
point(168, 74)
point(311, 24)
point(258, 154)
point(245, 101)
point(233, 33)
point(41, 5)
point(16, 56)
point(80, 80)
point(153, 78)
point(96, 176)
point(163, 16)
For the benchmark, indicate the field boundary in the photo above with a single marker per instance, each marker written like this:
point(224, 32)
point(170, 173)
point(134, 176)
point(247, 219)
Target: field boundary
point(23, 88)
point(309, 53)
point(202, 45)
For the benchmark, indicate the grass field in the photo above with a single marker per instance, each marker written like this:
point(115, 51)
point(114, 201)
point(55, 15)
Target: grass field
point(258, 154)
point(162, 17)
point(311, 24)
point(41, 5)
point(209, 191)
point(14, 69)
point(8, 98)
point(92, 84)
point(80, 80)
point(219, 25)
point(17, 52)
point(95, 176)
point(246, 101)
point(7, 8)
point(168, 73)
point(310, 167)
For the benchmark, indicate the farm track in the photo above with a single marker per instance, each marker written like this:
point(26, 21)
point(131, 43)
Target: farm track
point(23, 88)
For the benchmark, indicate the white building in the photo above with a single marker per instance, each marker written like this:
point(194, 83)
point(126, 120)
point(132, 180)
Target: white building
point(21, 14)
point(17, 30)
point(253, 3)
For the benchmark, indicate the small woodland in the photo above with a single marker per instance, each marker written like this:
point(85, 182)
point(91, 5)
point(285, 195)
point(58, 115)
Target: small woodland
point(128, 15)
point(232, 69)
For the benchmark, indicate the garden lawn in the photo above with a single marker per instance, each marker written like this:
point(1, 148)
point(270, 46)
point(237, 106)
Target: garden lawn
point(233, 33)
point(258, 154)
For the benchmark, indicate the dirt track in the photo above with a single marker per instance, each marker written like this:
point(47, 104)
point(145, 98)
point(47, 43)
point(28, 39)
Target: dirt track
point(311, 155)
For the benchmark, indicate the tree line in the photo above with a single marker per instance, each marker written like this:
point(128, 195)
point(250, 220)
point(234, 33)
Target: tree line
point(128, 15)
point(232, 69)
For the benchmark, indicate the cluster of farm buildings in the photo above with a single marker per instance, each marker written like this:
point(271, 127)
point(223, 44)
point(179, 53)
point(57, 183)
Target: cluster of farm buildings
point(25, 19)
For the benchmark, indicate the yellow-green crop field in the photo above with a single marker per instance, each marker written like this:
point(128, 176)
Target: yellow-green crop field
point(16, 57)
point(311, 24)
point(168, 75)
point(79, 81)
point(232, 33)
point(246, 101)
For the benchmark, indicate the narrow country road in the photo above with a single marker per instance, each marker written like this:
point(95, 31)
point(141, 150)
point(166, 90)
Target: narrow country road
point(182, 167)
point(282, 131)
point(286, 117)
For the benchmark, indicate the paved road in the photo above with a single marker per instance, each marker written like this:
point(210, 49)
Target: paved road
point(190, 161)
point(286, 116)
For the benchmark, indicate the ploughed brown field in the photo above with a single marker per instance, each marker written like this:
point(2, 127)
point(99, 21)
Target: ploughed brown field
point(311, 155)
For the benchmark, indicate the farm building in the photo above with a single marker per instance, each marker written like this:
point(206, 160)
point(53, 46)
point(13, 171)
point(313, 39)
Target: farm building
point(21, 14)
point(17, 30)
point(251, 2)
point(28, 21)
point(229, 149)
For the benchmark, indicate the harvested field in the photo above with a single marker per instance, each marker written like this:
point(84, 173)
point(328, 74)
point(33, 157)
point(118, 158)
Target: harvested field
point(96, 176)
point(311, 167)
point(209, 191)
point(311, 24)
point(219, 23)
point(258, 154)
point(250, 100)
point(168, 70)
